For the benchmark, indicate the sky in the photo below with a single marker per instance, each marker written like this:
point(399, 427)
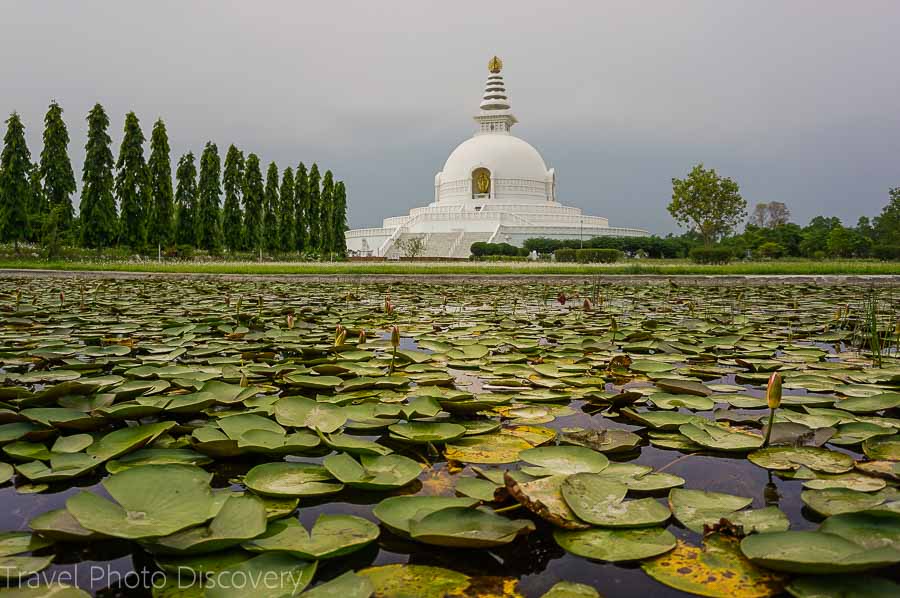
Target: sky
point(797, 101)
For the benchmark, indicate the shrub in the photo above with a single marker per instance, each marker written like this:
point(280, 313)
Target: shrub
point(770, 250)
point(564, 255)
point(886, 252)
point(185, 252)
point(711, 255)
point(594, 256)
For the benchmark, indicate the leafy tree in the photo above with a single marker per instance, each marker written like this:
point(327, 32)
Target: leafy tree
point(287, 210)
point(845, 242)
point(15, 188)
point(98, 206)
point(162, 220)
point(312, 212)
point(50, 233)
point(270, 217)
point(253, 203)
point(887, 224)
point(186, 199)
point(301, 202)
point(233, 182)
point(815, 236)
point(133, 185)
point(55, 166)
point(326, 211)
point(209, 189)
point(339, 219)
point(705, 202)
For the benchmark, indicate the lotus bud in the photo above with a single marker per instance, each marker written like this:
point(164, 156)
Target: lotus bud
point(588, 306)
point(244, 382)
point(395, 337)
point(388, 307)
point(613, 325)
point(561, 298)
point(362, 336)
point(290, 321)
point(340, 335)
point(62, 297)
point(773, 391)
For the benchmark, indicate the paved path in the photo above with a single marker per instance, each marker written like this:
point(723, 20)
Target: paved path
point(490, 279)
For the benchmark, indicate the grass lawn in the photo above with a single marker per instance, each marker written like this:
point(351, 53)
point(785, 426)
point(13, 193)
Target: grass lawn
point(631, 267)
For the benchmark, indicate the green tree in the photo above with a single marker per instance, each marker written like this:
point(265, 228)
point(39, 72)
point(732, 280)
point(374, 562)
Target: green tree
point(209, 189)
point(326, 211)
point(270, 218)
point(887, 224)
point(286, 213)
point(233, 182)
point(133, 185)
point(339, 219)
point(814, 241)
point(162, 221)
point(312, 213)
point(50, 233)
point(15, 188)
point(186, 200)
point(705, 202)
point(98, 206)
point(56, 168)
point(37, 204)
point(301, 201)
point(253, 203)
point(845, 242)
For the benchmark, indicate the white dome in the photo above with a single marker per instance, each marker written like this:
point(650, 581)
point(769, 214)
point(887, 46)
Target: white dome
point(506, 156)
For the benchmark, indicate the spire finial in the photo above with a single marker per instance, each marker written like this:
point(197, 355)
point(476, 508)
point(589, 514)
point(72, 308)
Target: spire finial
point(495, 65)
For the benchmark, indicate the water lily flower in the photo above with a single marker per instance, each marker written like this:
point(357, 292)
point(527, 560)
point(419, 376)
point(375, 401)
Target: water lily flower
point(395, 337)
point(340, 335)
point(290, 321)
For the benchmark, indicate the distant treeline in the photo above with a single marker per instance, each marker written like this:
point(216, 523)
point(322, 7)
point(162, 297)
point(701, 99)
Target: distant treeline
point(132, 202)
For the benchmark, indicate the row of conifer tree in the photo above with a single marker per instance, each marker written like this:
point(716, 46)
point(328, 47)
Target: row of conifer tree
point(133, 202)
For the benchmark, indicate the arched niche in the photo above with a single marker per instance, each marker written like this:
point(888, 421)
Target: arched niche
point(481, 182)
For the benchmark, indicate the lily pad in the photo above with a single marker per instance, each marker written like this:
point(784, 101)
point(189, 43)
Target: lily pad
point(331, 536)
point(461, 527)
point(373, 472)
point(291, 479)
point(239, 519)
point(153, 500)
point(397, 512)
point(814, 552)
point(792, 458)
point(566, 459)
point(615, 545)
point(599, 501)
point(486, 448)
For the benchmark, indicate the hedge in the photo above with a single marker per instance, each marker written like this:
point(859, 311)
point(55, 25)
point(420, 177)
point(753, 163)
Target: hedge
point(564, 255)
point(594, 256)
point(886, 252)
point(711, 255)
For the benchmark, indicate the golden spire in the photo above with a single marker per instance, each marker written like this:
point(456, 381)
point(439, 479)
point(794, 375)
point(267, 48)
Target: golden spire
point(495, 65)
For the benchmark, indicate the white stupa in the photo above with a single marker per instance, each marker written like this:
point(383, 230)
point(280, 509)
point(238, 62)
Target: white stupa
point(494, 187)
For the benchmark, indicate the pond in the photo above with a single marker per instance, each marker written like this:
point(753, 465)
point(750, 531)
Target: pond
point(202, 437)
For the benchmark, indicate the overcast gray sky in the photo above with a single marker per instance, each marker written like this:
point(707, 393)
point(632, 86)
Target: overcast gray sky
point(797, 101)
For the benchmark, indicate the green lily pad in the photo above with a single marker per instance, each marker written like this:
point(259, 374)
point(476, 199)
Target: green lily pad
point(544, 498)
point(18, 567)
point(12, 543)
point(880, 402)
point(354, 445)
point(869, 529)
point(61, 526)
point(883, 448)
point(792, 458)
point(397, 512)
point(424, 432)
point(842, 586)
point(348, 585)
point(461, 527)
point(157, 456)
point(720, 438)
point(291, 573)
point(331, 536)
point(835, 501)
point(814, 552)
point(300, 412)
point(373, 472)
point(153, 500)
point(599, 501)
point(569, 589)
point(287, 480)
point(604, 441)
point(416, 581)
point(615, 545)
point(240, 518)
point(565, 459)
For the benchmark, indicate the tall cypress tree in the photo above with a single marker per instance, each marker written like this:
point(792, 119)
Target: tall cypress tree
point(301, 199)
point(186, 199)
point(313, 216)
point(232, 182)
point(286, 212)
point(15, 188)
point(98, 206)
point(133, 185)
point(270, 218)
point(326, 209)
point(339, 219)
point(209, 189)
point(38, 212)
point(56, 168)
point(253, 203)
point(162, 220)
